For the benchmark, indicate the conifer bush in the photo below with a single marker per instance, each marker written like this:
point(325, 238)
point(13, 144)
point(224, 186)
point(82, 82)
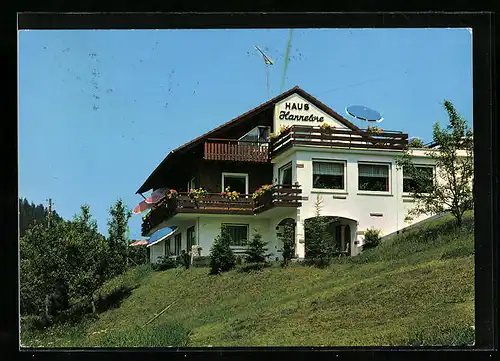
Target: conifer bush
point(256, 251)
point(222, 258)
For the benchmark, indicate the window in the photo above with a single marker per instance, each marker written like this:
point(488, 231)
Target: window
point(177, 243)
point(259, 134)
point(236, 181)
point(190, 238)
point(285, 174)
point(328, 175)
point(424, 179)
point(192, 184)
point(373, 177)
point(167, 247)
point(237, 232)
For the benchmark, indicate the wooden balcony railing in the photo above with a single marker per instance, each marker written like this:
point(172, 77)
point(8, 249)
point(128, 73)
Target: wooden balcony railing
point(214, 203)
point(315, 136)
point(236, 150)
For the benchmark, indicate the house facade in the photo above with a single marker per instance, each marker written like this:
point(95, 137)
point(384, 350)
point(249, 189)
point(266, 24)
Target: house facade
point(305, 153)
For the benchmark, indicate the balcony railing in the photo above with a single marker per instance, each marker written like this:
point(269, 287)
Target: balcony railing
point(236, 150)
point(316, 136)
point(214, 203)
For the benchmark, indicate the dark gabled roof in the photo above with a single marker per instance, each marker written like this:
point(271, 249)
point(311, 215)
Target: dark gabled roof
point(264, 106)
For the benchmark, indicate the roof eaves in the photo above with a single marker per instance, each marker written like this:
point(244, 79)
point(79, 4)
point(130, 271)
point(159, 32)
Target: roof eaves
point(185, 146)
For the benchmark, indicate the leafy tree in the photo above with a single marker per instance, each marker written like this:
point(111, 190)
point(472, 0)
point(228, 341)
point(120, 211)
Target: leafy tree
point(61, 265)
point(117, 240)
point(222, 258)
point(87, 256)
point(287, 237)
point(138, 254)
point(415, 143)
point(43, 269)
point(256, 249)
point(453, 156)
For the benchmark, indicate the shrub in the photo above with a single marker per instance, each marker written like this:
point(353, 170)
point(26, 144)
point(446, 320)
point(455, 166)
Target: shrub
point(372, 238)
point(222, 257)
point(256, 251)
point(165, 263)
point(201, 261)
point(184, 259)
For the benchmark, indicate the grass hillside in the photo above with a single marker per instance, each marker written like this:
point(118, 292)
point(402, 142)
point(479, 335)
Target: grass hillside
point(414, 289)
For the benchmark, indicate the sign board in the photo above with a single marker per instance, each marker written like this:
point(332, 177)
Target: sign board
point(295, 110)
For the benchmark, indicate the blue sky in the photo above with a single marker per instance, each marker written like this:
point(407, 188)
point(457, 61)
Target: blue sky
point(99, 110)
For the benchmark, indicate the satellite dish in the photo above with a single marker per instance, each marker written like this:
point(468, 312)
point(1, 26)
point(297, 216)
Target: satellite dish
point(364, 113)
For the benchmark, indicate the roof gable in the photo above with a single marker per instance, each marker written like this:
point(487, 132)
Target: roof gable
point(293, 92)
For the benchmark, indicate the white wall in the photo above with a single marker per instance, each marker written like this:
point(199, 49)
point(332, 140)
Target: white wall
point(312, 111)
point(210, 228)
point(156, 251)
point(351, 203)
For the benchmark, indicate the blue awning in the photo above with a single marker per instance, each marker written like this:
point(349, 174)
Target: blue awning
point(160, 235)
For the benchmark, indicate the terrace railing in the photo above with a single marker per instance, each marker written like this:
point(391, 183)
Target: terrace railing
point(316, 136)
point(214, 203)
point(236, 150)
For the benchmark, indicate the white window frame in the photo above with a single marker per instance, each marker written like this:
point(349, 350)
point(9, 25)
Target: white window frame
point(238, 224)
point(190, 184)
point(376, 193)
point(282, 168)
point(326, 190)
point(434, 175)
point(240, 175)
point(256, 127)
point(177, 252)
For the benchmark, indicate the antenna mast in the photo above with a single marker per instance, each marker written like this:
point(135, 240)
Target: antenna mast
point(268, 62)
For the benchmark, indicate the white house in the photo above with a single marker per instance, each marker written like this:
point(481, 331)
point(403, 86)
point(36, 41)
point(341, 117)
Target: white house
point(306, 150)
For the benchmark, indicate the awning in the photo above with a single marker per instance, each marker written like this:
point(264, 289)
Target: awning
point(157, 196)
point(141, 207)
point(161, 235)
point(141, 242)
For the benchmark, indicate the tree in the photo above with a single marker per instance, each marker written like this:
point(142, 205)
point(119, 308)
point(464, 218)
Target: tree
point(43, 268)
point(256, 249)
point(222, 258)
point(319, 241)
point(87, 257)
point(117, 240)
point(61, 265)
point(415, 143)
point(451, 190)
point(29, 214)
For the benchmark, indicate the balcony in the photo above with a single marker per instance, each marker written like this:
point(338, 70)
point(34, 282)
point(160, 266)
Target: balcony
point(214, 203)
point(300, 135)
point(236, 150)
